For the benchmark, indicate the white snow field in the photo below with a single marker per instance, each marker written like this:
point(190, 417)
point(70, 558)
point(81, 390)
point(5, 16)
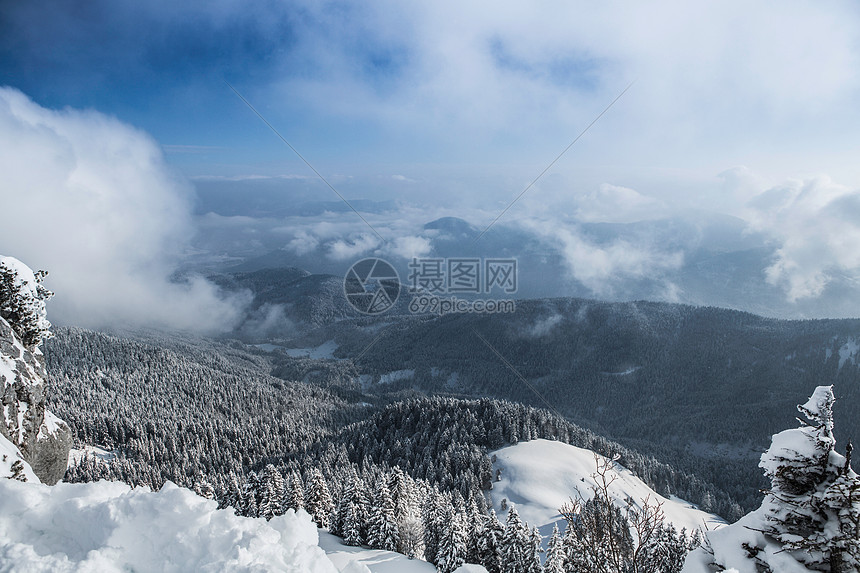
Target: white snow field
point(362, 560)
point(539, 476)
point(373, 560)
point(108, 527)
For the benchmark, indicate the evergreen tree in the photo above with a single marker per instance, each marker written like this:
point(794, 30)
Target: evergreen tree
point(517, 538)
point(452, 543)
point(490, 544)
point(248, 502)
point(232, 495)
point(555, 555)
point(841, 501)
point(318, 502)
point(382, 523)
point(532, 553)
point(434, 524)
point(22, 301)
point(812, 506)
point(295, 499)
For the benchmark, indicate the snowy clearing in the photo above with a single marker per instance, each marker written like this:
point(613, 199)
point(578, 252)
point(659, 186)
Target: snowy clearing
point(539, 476)
point(76, 455)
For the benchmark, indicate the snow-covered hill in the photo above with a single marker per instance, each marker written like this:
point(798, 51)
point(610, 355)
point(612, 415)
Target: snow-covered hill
point(539, 476)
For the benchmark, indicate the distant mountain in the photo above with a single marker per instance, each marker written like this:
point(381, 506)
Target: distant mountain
point(453, 228)
point(700, 259)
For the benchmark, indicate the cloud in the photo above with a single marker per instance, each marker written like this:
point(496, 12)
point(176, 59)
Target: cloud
point(302, 243)
point(91, 200)
point(353, 247)
point(410, 246)
point(601, 267)
point(543, 326)
point(616, 204)
point(816, 224)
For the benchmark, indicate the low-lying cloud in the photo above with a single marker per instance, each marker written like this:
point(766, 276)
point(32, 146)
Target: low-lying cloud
point(91, 200)
point(816, 223)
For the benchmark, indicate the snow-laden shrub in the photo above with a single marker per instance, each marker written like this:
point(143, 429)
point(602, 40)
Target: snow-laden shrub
point(22, 301)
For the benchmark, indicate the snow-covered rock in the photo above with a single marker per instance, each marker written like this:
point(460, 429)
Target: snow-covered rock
point(110, 527)
point(43, 439)
point(539, 476)
point(13, 464)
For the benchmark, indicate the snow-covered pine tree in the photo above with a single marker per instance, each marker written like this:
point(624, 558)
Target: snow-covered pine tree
point(382, 530)
point(231, 495)
point(22, 301)
point(271, 493)
point(452, 543)
point(400, 488)
point(295, 498)
point(249, 505)
point(203, 488)
point(555, 557)
point(272, 476)
point(842, 502)
point(514, 543)
point(349, 516)
point(812, 506)
point(490, 544)
point(352, 526)
point(474, 523)
point(318, 502)
point(532, 553)
point(434, 516)
point(347, 496)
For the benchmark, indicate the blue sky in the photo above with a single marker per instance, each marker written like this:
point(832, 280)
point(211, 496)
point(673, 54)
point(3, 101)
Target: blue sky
point(389, 86)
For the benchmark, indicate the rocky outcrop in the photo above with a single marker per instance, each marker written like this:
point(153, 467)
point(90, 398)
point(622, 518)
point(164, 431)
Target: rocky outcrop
point(43, 439)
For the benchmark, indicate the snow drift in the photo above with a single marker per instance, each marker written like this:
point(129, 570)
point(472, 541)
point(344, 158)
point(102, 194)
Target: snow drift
point(110, 527)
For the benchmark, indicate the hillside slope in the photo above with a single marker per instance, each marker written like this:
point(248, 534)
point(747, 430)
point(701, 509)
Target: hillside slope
point(539, 476)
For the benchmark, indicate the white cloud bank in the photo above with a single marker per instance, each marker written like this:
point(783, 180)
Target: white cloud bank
point(817, 225)
point(92, 201)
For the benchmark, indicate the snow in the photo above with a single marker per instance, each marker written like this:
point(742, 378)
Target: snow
point(324, 351)
point(355, 559)
point(848, 351)
point(396, 376)
point(110, 527)
point(349, 559)
point(27, 284)
point(539, 476)
point(624, 372)
point(77, 455)
point(321, 352)
point(727, 545)
point(9, 453)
